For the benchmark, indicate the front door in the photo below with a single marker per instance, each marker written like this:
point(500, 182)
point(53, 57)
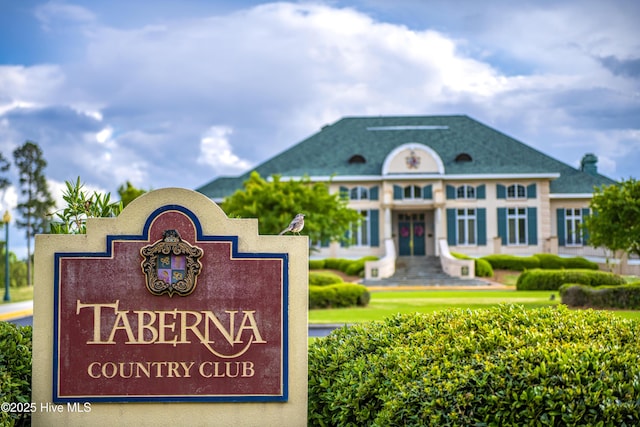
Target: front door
point(411, 232)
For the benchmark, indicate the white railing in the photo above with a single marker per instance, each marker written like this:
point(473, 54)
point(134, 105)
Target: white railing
point(464, 268)
point(385, 266)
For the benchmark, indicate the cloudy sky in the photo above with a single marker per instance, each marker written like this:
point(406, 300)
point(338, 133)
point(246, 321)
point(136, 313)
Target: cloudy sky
point(176, 93)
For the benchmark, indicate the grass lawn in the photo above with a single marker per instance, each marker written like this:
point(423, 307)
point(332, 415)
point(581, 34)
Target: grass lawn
point(22, 293)
point(388, 303)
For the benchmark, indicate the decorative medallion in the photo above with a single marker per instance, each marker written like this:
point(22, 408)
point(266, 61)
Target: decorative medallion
point(413, 161)
point(171, 265)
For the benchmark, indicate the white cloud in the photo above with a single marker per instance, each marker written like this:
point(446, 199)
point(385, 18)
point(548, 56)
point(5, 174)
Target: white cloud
point(57, 12)
point(277, 72)
point(33, 86)
point(9, 200)
point(216, 151)
point(104, 135)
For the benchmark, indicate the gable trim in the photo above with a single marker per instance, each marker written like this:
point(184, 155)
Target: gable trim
point(411, 146)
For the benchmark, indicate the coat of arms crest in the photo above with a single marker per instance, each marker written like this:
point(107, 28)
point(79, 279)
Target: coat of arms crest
point(171, 265)
point(413, 160)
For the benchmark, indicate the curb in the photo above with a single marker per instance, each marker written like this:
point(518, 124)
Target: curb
point(16, 314)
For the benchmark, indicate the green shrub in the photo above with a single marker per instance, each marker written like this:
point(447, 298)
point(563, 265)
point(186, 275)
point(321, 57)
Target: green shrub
point(626, 297)
point(316, 264)
point(323, 278)
point(579, 262)
point(338, 295)
point(15, 370)
point(482, 267)
point(550, 261)
point(499, 366)
point(538, 280)
point(356, 268)
point(512, 262)
point(555, 262)
point(334, 263)
point(352, 267)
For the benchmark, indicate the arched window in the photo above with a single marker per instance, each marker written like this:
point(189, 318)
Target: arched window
point(359, 193)
point(516, 191)
point(466, 192)
point(412, 192)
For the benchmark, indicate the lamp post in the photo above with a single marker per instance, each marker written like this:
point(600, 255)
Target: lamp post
point(6, 219)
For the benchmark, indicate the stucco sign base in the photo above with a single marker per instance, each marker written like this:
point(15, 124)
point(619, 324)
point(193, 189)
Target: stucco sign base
point(170, 314)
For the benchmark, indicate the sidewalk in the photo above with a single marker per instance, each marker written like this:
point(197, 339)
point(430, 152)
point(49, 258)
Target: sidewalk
point(16, 310)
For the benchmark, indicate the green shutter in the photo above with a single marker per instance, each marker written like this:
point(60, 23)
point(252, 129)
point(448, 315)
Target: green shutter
point(373, 193)
point(451, 227)
point(532, 224)
point(501, 191)
point(531, 191)
point(481, 224)
point(502, 224)
point(427, 192)
point(451, 192)
point(397, 192)
point(585, 233)
point(561, 230)
point(374, 225)
point(481, 192)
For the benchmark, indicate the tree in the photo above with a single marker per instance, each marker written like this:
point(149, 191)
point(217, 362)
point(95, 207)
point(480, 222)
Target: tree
point(614, 224)
point(30, 162)
point(72, 219)
point(128, 193)
point(17, 270)
point(4, 167)
point(276, 202)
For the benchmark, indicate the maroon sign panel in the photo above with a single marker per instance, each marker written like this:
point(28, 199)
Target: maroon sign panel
point(170, 315)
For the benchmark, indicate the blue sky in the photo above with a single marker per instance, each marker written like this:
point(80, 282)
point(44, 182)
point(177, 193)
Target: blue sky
point(176, 93)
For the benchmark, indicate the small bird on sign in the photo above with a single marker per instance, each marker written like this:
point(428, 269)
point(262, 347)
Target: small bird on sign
point(296, 225)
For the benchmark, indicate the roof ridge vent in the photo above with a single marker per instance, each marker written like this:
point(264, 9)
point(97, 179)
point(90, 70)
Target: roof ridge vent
point(408, 127)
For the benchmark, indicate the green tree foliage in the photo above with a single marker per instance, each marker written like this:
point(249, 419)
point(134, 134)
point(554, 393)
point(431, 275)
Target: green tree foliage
point(34, 211)
point(128, 193)
point(4, 167)
point(17, 270)
point(614, 224)
point(73, 218)
point(275, 202)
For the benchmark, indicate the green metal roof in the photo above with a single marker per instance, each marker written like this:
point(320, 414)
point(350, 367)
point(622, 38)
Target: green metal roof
point(327, 153)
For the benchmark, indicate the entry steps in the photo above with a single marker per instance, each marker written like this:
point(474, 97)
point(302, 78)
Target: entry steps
point(422, 271)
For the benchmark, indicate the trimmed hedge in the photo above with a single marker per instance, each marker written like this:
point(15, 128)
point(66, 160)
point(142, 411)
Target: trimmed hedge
point(356, 268)
point(338, 295)
point(15, 370)
point(552, 280)
point(555, 262)
point(335, 263)
point(544, 261)
point(626, 297)
point(512, 262)
point(499, 366)
point(482, 267)
point(323, 278)
point(352, 267)
point(316, 264)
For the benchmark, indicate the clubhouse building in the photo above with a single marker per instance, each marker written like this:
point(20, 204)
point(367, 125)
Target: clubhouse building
point(431, 185)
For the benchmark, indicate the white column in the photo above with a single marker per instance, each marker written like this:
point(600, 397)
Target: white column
point(437, 226)
point(387, 223)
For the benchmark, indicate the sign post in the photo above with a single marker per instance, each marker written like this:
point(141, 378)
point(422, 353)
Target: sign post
point(170, 313)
